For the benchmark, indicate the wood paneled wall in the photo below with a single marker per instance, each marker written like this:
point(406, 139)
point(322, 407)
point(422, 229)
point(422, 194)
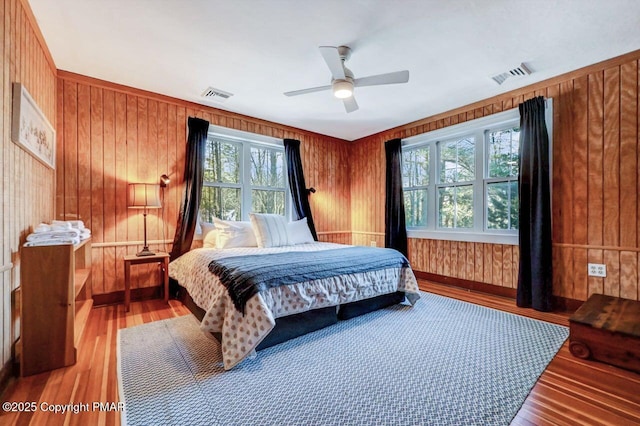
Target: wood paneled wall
point(112, 135)
point(28, 186)
point(596, 179)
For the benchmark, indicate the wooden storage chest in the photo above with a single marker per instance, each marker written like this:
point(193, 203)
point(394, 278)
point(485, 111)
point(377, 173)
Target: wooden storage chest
point(607, 329)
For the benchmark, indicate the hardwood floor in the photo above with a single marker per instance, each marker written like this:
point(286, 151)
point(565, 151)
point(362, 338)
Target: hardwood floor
point(570, 391)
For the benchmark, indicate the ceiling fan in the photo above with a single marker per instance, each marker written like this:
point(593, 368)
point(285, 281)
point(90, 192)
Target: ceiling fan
point(342, 81)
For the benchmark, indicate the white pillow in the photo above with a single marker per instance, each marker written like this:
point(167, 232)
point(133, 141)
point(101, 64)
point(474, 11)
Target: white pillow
point(205, 228)
point(270, 229)
point(231, 234)
point(210, 239)
point(299, 232)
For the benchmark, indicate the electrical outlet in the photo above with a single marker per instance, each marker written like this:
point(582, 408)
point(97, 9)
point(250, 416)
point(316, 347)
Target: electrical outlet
point(373, 244)
point(597, 270)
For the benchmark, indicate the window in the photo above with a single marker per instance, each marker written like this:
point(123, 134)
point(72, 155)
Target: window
point(456, 160)
point(501, 183)
point(242, 174)
point(461, 182)
point(415, 181)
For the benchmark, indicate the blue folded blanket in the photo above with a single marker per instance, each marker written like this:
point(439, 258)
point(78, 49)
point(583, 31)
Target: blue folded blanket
point(244, 276)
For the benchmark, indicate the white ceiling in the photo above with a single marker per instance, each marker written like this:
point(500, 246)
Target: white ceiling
point(258, 49)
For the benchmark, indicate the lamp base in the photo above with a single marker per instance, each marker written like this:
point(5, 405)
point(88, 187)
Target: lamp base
point(145, 252)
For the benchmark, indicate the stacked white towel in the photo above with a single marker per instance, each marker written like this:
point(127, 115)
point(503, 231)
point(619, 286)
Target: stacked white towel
point(58, 232)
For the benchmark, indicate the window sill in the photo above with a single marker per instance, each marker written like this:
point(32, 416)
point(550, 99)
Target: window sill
point(475, 237)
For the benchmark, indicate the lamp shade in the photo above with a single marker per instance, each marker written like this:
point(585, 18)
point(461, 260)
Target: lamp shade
point(342, 89)
point(144, 196)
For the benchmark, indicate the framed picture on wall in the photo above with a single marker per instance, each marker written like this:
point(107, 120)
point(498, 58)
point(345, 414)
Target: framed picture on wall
point(30, 128)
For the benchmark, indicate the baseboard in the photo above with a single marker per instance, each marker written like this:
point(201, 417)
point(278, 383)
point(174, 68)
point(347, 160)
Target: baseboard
point(560, 303)
point(117, 297)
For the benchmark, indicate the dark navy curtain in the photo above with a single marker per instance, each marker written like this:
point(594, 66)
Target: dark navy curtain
point(297, 185)
point(535, 273)
point(395, 235)
point(193, 177)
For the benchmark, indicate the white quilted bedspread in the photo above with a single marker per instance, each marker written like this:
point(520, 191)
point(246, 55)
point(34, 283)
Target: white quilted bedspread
point(241, 334)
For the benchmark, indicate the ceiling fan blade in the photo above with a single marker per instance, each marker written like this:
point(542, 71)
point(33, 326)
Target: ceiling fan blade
point(389, 78)
point(350, 104)
point(305, 91)
point(332, 58)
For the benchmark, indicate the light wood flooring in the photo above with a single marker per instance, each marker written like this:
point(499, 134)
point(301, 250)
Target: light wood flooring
point(570, 391)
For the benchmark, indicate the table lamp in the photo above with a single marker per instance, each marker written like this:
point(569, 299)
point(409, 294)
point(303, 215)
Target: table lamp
point(144, 196)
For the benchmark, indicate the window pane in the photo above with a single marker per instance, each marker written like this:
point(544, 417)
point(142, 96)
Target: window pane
point(222, 162)
point(415, 207)
point(223, 203)
point(446, 207)
point(415, 167)
point(504, 153)
point(464, 207)
point(515, 205)
point(267, 201)
point(448, 162)
point(498, 208)
point(267, 167)
point(466, 160)
point(455, 207)
point(502, 205)
point(457, 160)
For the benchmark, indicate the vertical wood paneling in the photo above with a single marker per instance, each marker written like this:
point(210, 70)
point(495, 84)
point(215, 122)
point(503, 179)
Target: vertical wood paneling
point(28, 187)
point(580, 159)
point(96, 195)
point(596, 150)
point(628, 154)
point(84, 156)
point(611, 174)
point(580, 284)
point(628, 275)
point(612, 280)
point(478, 266)
point(564, 175)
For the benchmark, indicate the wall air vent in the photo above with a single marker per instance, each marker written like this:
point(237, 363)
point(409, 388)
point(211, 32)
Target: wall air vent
point(520, 71)
point(216, 95)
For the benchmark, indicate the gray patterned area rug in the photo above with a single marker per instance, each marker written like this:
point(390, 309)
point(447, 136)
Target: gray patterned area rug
point(442, 362)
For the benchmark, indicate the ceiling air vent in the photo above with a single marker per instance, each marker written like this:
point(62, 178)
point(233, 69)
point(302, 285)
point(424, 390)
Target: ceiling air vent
point(216, 95)
point(520, 71)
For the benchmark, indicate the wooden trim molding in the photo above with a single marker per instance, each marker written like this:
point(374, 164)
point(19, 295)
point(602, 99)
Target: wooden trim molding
point(333, 232)
point(128, 243)
point(596, 247)
point(6, 267)
point(368, 233)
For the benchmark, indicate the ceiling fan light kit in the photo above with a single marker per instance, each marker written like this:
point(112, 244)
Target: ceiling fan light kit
point(342, 89)
point(342, 80)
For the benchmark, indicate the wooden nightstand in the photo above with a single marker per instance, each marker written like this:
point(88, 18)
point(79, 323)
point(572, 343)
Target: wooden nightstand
point(162, 258)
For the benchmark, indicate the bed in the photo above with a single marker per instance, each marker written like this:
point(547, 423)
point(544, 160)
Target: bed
point(278, 312)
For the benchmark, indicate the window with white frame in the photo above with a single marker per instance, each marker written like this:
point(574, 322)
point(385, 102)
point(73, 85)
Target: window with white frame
point(415, 182)
point(461, 182)
point(501, 182)
point(242, 174)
